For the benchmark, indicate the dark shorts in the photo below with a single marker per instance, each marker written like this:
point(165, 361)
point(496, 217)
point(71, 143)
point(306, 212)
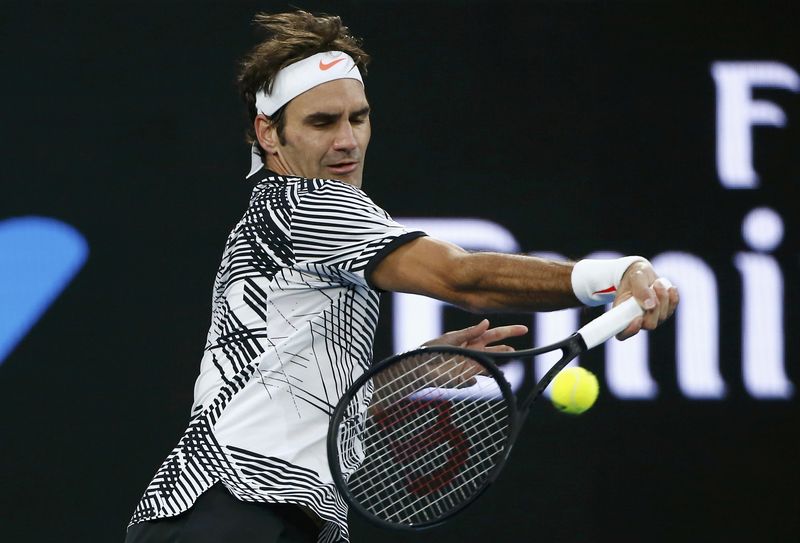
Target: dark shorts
point(217, 516)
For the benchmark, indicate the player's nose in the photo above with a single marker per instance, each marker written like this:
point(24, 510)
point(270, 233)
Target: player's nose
point(345, 139)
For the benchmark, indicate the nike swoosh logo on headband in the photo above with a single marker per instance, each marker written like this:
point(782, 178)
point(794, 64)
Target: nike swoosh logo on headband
point(328, 66)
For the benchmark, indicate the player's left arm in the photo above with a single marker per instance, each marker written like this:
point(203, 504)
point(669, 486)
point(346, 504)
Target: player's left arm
point(480, 337)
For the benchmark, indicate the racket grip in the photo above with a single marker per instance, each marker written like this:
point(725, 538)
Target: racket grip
point(610, 323)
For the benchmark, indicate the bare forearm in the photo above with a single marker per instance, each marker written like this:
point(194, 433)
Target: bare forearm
point(501, 282)
point(479, 282)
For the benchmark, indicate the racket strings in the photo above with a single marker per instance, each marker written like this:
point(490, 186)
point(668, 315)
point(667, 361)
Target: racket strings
point(458, 490)
point(456, 494)
point(420, 383)
point(428, 440)
point(368, 479)
point(383, 496)
point(380, 443)
point(436, 364)
point(452, 499)
point(411, 421)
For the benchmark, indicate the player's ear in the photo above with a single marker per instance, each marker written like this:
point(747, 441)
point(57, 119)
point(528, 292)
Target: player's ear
point(266, 133)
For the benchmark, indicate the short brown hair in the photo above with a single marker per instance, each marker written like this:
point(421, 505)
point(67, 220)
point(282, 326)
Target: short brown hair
point(290, 37)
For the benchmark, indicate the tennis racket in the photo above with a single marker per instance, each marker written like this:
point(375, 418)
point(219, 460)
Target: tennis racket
point(421, 435)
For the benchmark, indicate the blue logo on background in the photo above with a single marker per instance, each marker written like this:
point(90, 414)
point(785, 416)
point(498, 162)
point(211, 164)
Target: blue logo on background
point(38, 258)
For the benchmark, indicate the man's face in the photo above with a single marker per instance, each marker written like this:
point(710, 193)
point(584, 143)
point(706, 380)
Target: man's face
point(326, 133)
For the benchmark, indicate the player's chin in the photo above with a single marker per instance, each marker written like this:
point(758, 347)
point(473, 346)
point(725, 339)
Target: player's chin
point(348, 173)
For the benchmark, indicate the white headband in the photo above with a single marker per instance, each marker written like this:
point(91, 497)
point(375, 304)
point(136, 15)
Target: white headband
point(303, 75)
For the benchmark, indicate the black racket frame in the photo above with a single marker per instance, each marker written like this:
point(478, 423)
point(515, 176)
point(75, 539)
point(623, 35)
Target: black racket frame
point(571, 347)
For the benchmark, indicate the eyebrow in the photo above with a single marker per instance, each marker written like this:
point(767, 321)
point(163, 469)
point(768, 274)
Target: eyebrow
point(361, 112)
point(322, 117)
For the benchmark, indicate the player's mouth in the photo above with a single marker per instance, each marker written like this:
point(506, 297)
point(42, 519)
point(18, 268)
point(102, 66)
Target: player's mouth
point(343, 168)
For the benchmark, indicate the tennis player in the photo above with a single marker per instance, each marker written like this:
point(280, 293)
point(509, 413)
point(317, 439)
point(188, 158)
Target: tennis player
point(296, 302)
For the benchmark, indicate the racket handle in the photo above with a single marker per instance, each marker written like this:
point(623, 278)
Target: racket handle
point(610, 323)
point(615, 320)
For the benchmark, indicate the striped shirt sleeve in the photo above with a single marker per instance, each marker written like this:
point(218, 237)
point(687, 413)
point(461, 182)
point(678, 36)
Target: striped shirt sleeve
point(337, 226)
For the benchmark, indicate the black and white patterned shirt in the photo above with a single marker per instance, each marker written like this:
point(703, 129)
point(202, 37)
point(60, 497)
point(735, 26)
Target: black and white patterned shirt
point(294, 318)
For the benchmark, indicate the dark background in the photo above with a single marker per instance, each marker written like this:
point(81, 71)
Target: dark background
point(575, 125)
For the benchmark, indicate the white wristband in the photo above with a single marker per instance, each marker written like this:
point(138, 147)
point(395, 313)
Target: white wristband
point(595, 281)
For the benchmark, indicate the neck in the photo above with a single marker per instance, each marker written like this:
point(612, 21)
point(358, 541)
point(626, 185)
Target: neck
point(279, 166)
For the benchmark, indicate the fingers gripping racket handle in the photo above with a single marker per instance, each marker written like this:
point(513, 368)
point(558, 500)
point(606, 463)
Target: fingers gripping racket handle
point(610, 323)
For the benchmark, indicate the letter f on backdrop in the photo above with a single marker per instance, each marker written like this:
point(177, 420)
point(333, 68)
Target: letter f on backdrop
point(737, 113)
point(39, 257)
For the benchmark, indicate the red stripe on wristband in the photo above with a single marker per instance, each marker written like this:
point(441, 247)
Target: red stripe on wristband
point(609, 290)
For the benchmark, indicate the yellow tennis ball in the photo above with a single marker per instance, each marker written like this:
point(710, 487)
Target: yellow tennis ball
point(574, 390)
